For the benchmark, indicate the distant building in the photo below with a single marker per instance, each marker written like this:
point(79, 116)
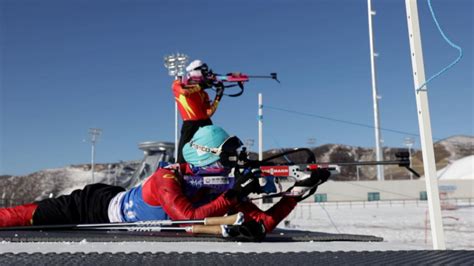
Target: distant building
point(389, 190)
point(154, 153)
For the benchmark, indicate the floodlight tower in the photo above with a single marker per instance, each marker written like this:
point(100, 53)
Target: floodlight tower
point(94, 134)
point(176, 64)
point(375, 96)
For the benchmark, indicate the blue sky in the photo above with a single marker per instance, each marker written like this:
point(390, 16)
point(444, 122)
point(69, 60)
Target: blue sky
point(67, 66)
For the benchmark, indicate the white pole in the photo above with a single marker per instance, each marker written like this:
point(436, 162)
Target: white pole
point(176, 128)
point(175, 132)
point(95, 133)
point(92, 161)
point(260, 135)
point(437, 231)
point(175, 64)
point(12, 197)
point(409, 156)
point(260, 127)
point(409, 143)
point(378, 147)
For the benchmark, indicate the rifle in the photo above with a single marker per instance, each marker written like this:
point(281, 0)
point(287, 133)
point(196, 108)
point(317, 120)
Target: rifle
point(299, 172)
point(272, 171)
point(403, 160)
point(210, 79)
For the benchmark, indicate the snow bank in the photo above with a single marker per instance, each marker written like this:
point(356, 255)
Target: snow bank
point(79, 178)
point(459, 169)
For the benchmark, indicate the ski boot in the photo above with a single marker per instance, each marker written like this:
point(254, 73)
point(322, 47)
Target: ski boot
point(17, 216)
point(247, 231)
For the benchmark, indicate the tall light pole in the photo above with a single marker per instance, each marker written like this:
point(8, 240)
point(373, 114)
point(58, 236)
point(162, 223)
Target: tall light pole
point(249, 143)
point(94, 134)
point(176, 64)
point(375, 96)
point(409, 143)
point(3, 203)
point(12, 197)
point(260, 127)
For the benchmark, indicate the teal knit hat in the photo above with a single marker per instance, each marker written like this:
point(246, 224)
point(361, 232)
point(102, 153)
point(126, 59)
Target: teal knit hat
point(206, 137)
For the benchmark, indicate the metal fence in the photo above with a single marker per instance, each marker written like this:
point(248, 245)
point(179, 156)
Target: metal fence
point(385, 203)
point(446, 204)
point(338, 204)
point(11, 202)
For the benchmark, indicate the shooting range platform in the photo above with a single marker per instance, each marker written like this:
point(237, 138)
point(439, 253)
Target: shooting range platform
point(281, 247)
point(277, 235)
point(427, 257)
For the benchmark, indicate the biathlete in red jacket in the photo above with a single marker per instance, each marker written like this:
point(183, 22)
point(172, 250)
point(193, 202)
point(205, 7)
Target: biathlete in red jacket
point(193, 102)
point(175, 192)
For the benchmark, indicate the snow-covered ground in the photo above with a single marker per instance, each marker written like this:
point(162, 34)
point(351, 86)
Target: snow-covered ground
point(404, 226)
point(459, 169)
point(399, 223)
point(79, 178)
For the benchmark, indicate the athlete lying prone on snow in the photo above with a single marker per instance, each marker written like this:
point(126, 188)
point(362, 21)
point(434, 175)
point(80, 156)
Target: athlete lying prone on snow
point(174, 192)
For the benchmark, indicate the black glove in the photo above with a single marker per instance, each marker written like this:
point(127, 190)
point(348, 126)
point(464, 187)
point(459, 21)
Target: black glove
point(317, 177)
point(251, 230)
point(245, 184)
point(206, 84)
point(219, 90)
point(306, 187)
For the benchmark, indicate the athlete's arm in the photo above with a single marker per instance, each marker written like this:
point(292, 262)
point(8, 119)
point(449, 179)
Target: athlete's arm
point(186, 89)
point(213, 106)
point(163, 188)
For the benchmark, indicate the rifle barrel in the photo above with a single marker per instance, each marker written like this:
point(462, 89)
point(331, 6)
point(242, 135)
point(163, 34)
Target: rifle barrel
point(261, 77)
point(397, 162)
point(271, 76)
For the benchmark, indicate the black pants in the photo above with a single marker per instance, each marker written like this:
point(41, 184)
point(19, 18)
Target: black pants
point(82, 206)
point(187, 132)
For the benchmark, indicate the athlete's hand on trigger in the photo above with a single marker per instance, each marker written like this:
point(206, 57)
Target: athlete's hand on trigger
point(219, 90)
point(246, 182)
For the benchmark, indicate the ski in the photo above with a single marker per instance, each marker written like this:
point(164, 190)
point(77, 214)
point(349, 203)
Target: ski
point(234, 219)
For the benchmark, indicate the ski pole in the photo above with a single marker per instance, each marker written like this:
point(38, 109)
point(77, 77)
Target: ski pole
point(194, 229)
point(237, 218)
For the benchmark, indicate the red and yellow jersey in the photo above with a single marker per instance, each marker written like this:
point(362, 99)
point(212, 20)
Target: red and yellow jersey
point(193, 103)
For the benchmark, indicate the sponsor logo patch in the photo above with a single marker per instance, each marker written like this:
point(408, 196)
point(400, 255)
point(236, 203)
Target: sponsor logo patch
point(216, 180)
